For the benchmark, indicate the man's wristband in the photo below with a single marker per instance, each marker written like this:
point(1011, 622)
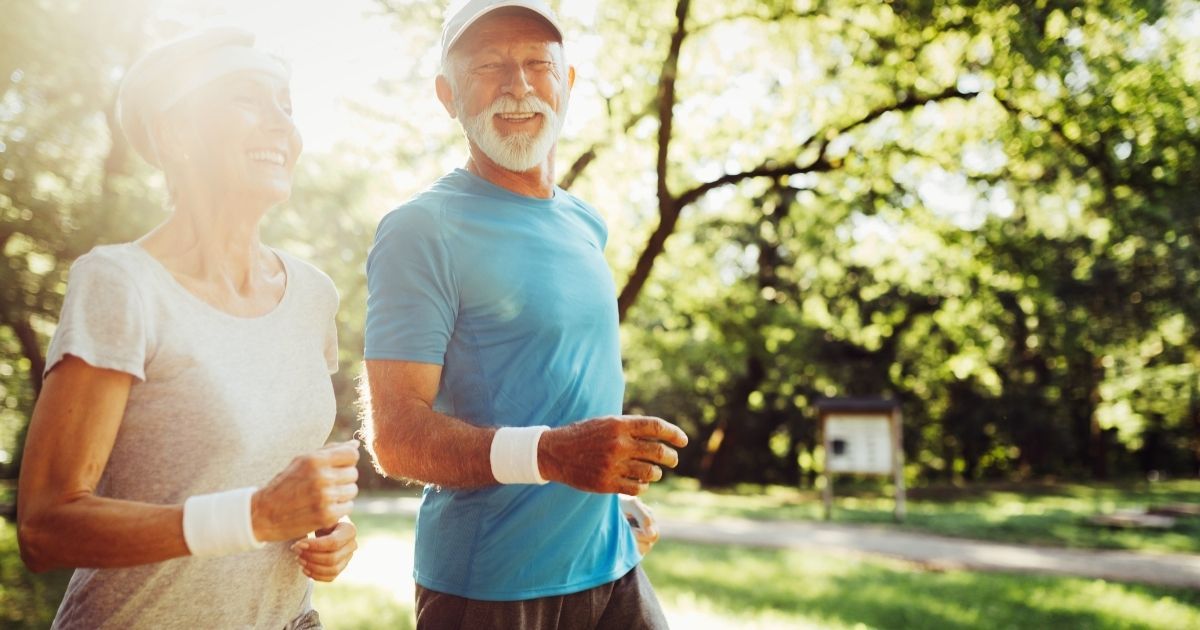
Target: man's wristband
point(220, 523)
point(515, 455)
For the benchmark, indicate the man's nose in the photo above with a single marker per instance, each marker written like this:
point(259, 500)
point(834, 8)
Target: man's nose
point(517, 83)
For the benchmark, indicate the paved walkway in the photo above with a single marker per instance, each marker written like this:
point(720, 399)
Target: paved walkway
point(938, 552)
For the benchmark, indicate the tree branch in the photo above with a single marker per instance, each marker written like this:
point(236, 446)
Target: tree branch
point(586, 158)
point(775, 169)
point(1094, 157)
point(670, 208)
point(666, 100)
point(777, 15)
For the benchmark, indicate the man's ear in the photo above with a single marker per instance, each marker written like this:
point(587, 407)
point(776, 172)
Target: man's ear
point(570, 78)
point(446, 95)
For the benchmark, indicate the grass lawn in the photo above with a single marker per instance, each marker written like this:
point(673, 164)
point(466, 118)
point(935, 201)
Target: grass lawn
point(1042, 514)
point(727, 587)
point(715, 586)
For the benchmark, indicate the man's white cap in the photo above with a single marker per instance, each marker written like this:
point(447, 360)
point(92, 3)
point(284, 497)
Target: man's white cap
point(463, 13)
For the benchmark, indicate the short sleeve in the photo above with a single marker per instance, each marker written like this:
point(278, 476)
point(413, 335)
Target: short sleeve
point(103, 320)
point(412, 297)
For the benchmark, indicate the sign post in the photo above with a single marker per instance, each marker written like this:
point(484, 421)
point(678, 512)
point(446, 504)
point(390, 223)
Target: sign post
point(863, 436)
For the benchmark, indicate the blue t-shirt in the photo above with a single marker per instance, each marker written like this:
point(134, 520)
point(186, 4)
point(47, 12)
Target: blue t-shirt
point(512, 296)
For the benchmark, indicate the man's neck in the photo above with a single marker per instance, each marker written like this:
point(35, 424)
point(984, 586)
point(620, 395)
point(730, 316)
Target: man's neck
point(537, 182)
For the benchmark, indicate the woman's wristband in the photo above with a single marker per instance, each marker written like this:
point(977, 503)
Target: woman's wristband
point(220, 523)
point(515, 455)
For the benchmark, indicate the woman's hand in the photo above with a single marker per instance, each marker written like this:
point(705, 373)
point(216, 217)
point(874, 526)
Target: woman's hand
point(324, 558)
point(312, 493)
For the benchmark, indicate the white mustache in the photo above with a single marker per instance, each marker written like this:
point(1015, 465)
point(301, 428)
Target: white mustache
point(519, 151)
point(531, 104)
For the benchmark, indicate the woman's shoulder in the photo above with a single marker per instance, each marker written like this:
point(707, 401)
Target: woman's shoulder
point(309, 278)
point(117, 263)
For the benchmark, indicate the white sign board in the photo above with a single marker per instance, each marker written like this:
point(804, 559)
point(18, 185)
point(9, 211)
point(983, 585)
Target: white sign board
point(858, 443)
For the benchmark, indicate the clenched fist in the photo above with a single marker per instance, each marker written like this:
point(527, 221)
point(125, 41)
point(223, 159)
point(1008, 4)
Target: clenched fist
point(612, 454)
point(313, 492)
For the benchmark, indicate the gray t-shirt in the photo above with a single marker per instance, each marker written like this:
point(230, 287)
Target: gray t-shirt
point(219, 402)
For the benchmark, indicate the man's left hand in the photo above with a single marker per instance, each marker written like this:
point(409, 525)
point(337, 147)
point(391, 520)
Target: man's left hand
point(323, 558)
point(646, 532)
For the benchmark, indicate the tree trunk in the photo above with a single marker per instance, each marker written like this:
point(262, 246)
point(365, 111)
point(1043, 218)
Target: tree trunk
point(31, 348)
point(744, 435)
point(37, 364)
point(1194, 412)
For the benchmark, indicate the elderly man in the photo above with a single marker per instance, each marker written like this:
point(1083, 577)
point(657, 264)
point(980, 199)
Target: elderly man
point(493, 361)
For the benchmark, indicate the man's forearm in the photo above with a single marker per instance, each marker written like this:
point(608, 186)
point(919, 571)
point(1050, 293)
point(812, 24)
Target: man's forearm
point(409, 440)
point(416, 443)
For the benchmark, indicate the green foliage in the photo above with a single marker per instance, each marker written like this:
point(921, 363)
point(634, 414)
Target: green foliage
point(67, 182)
point(1016, 264)
point(984, 209)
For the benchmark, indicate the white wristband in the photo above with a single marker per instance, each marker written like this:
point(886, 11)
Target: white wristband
point(514, 455)
point(219, 524)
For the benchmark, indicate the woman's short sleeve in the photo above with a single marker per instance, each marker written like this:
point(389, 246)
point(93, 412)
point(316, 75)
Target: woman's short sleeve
point(103, 320)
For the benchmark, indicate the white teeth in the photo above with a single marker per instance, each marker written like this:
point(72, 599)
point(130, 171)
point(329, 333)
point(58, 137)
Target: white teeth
point(517, 117)
point(274, 157)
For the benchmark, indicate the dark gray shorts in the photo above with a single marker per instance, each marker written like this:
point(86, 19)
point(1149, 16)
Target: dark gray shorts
point(627, 603)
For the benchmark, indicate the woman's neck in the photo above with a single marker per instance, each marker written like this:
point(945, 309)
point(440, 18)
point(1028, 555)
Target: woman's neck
point(214, 244)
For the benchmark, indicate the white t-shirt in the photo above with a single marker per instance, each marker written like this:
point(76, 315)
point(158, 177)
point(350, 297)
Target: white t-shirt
point(219, 402)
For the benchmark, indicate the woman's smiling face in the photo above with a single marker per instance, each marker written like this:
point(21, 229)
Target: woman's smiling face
point(242, 137)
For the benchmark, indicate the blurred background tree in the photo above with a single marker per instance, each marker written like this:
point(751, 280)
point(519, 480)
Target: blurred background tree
point(986, 210)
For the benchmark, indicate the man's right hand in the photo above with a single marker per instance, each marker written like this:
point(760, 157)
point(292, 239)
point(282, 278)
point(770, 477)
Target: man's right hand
point(613, 454)
point(313, 492)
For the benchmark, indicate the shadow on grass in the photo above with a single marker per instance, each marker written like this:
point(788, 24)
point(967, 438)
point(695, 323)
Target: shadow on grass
point(840, 590)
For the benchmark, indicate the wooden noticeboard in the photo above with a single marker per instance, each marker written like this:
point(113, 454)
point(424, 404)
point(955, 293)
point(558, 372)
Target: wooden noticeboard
point(862, 436)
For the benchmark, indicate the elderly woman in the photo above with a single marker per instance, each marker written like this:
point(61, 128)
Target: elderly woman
point(174, 456)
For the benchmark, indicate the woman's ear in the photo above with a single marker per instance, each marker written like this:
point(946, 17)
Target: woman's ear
point(169, 143)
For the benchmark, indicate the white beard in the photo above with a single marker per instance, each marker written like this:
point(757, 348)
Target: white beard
point(517, 152)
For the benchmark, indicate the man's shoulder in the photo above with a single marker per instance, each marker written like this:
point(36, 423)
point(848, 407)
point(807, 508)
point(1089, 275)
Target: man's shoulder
point(572, 200)
point(587, 212)
point(427, 209)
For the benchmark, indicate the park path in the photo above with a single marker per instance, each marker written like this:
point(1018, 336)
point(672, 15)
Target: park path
point(928, 550)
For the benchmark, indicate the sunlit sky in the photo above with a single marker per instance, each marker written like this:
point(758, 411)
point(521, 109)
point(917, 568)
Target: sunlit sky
point(338, 50)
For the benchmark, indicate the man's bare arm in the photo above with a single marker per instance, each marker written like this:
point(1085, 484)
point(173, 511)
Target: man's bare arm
point(409, 440)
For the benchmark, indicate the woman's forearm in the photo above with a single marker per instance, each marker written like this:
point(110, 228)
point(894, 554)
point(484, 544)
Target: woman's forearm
point(97, 532)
